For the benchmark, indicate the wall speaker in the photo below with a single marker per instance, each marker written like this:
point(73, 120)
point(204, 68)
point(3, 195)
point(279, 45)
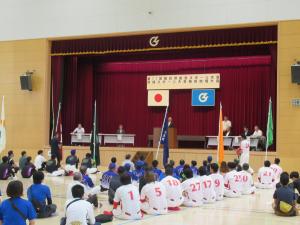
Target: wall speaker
point(26, 83)
point(295, 70)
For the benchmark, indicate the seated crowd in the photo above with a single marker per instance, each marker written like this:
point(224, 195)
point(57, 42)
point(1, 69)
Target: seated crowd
point(135, 189)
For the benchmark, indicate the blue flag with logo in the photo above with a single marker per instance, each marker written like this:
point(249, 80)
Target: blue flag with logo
point(165, 140)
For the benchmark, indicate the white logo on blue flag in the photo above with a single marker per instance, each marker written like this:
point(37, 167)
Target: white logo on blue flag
point(203, 97)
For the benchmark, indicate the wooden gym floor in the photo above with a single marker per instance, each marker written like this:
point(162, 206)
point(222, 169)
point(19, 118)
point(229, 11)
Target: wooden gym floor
point(247, 210)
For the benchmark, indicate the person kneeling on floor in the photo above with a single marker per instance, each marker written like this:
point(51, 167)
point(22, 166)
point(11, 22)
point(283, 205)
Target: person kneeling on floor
point(285, 198)
point(38, 193)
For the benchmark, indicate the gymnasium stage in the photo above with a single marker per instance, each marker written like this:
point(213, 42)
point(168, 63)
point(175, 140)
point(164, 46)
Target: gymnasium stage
point(256, 158)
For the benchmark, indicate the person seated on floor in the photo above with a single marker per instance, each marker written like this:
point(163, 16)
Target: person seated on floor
point(72, 163)
point(29, 169)
point(182, 175)
point(86, 180)
point(89, 163)
point(107, 176)
point(22, 160)
point(173, 188)
point(126, 203)
point(138, 172)
point(8, 215)
point(192, 192)
point(194, 168)
point(223, 168)
point(40, 161)
point(158, 173)
point(218, 181)
point(77, 210)
point(114, 184)
point(52, 167)
point(285, 198)
point(128, 161)
point(77, 180)
point(11, 161)
point(207, 186)
point(141, 161)
point(209, 162)
point(113, 160)
point(266, 176)
point(38, 193)
point(277, 169)
point(154, 196)
point(142, 182)
point(179, 168)
point(6, 170)
point(247, 186)
point(295, 185)
point(232, 182)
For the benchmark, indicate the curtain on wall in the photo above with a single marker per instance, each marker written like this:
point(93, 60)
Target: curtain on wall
point(247, 82)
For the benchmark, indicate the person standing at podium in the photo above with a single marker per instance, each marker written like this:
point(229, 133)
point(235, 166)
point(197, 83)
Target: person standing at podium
point(170, 122)
point(79, 130)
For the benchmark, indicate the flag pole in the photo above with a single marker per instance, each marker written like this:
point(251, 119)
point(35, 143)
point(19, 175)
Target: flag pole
point(58, 115)
point(94, 131)
point(267, 133)
point(166, 112)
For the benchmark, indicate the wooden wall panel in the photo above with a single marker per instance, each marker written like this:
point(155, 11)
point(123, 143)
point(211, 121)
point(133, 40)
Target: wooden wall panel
point(27, 113)
point(288, 117)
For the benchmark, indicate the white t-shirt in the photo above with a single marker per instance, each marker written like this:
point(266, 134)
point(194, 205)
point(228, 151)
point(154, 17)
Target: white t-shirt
point(247, 181)
point(257, 134)
point(192, 192)
point(266, 175)
point(129, 198)
point(218, 181)
point(174, 190)
point(245, 147)
point(156, 196)
point(232, 181)
point(226, 125)
point(277, 170)
point(38, 161)
point(79, 132)
point(208, 189)
point(71, 185)
point(80, 211)
point(128, 161)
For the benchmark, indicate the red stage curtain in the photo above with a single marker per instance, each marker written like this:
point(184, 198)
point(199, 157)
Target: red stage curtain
point(246, 85)
point(167, 40)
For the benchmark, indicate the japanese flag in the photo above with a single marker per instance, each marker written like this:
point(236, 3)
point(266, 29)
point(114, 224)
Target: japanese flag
point(158, 97)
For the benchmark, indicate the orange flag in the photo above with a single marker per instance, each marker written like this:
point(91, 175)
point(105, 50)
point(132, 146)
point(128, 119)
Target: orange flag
point(220, 138)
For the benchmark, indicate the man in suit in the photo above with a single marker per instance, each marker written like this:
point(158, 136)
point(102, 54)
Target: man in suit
point(170, 122)
point(55, 147)
point(120, 130)
point(246, 131)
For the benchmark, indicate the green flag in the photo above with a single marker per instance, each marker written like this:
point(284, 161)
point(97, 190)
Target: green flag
point(94, 145)
point(269, 126)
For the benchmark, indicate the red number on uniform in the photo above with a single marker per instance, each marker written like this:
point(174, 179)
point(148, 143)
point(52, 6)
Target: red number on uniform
point(267, 174)
point(131, 195)
point(245, 178)
point(237, 178)
point(173, 183)
point(207, 184)
point(217, 183)
point(195, 187)
point(158, 191)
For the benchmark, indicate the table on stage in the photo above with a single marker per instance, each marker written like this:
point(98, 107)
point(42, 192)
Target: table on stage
point(231, 141)
point(118, 139)
point(108, 138)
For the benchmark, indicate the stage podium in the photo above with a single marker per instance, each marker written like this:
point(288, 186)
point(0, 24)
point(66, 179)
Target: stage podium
point(172, 135)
